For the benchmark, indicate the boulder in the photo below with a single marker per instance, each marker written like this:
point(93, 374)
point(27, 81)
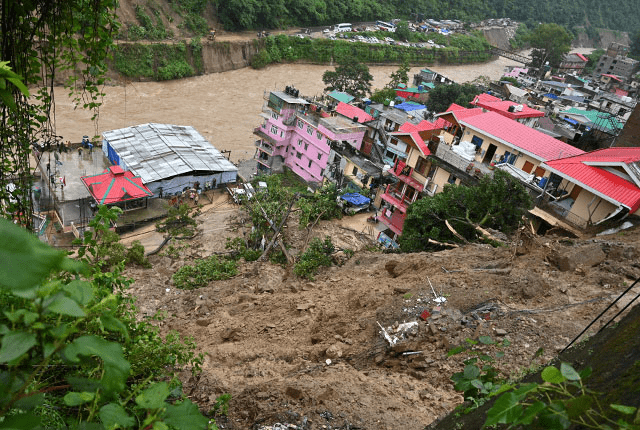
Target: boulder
point(586, 256)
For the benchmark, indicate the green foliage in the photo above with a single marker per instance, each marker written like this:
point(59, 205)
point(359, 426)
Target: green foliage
point(400, 76)
point(479, 380)
point(521, 39)
point(59, 346)
point(204, 271)
point(441, 97)
point(317, 254)
point(350, 77)
point(497, 202)
point(513, 81)
point(382, 95)
point(159, 61)
point(562, 400)
point(549, 42)
point(180, 221)
point(634, 48)
point(261, 59)
point(402, 31)
point(594, 59)
point(320, 205)
point(239, 249)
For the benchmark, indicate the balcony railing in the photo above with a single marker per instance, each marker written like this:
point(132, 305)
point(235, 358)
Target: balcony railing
point(565, 214)
point(268, 149)
point(394, 200)
point(403, 172)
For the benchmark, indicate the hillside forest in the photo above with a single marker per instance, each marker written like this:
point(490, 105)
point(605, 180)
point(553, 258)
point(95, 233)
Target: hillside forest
point(256, 14)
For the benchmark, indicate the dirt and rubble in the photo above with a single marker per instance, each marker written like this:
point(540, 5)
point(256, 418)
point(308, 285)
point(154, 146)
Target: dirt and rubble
point(298, 354)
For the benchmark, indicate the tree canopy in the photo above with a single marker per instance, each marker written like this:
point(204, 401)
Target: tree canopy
point(549, 42)
point(400, 76)
point(350, 77)
point(258, 14)
point(496, 202)
point(78, 36)
point(441, 97)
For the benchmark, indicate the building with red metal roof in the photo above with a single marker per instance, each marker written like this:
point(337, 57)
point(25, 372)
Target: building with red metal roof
point(597, 185)
point(353, 112)
point(518, 112)
point(115, 186)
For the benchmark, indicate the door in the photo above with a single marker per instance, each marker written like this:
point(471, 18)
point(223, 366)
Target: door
point(491, 151)
point(528, 167)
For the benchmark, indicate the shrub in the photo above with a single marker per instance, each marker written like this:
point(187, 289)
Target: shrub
point(317, 254)
point(203, 272)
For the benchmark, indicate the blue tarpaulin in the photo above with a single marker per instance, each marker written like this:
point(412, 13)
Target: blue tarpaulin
point(570, 120)
point(356, 199)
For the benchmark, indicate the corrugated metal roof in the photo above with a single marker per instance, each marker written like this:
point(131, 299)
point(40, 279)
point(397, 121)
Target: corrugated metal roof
point(495, 104)
point(161, 151)
point(353, 112)
point(519, 136)
point(597, 179)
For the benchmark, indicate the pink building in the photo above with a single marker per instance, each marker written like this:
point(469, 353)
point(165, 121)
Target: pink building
point(298, 134)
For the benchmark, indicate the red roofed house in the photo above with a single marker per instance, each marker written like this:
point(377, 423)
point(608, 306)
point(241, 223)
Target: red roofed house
point(117, 187)
point(499, 139)
point(573, 62)
point(353, 112)
point(518, 112)
point(592, 187)
point(413, 173)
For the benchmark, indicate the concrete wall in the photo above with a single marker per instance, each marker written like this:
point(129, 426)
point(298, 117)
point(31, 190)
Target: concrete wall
point(599, 208)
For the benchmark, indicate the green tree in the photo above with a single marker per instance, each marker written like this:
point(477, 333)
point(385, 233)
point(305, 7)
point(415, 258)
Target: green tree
point(441, 97)
point(634, 50)
point(401, 75)
point(549, 42)
point(38, 39)
point(402, 31)
point(350, 77)
point(382, 95)
point(497, 202)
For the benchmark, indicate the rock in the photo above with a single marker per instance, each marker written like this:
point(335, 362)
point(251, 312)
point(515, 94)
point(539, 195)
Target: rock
point(334, 351)
point(500, 332)
point(294, 393)
point(203, 322)
point(229, 334)
point(401, 289)
point(586, 256)
point(304, 306)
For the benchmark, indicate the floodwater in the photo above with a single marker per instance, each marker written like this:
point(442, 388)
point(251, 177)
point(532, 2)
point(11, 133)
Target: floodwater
point(223, 107)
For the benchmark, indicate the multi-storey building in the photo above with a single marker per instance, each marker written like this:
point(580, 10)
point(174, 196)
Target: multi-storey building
point(298, 134)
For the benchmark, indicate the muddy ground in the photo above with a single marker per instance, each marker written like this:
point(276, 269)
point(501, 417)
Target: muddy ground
point(311, 354)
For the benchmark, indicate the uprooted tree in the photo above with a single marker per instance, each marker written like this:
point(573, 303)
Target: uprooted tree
point(461, 214)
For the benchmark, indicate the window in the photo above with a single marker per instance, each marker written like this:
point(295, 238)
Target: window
point(328, 141)
point(309, 163)
point(477, 141)
point(300, 124)
point(452, 179)
point(298, 155)
point(421, 165)
point(355, 171)
point(274, 129)
point(274, 115)
point(310, 130)
point(318, 135)
point(306, 146)
point(281, 133)
point(319, 156)
point(299, 142)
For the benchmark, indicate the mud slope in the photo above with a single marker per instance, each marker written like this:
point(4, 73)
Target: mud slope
point(267, 335)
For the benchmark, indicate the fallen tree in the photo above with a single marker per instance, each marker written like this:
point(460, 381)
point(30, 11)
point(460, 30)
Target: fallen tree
point(462, 214)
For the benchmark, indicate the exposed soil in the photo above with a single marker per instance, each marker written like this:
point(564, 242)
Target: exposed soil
point(267, 335)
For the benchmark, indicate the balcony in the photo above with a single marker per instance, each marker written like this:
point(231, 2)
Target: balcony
point(262, 133)
point(395, 200)
point(264, 147)
point(395, 222)
point(403, 172)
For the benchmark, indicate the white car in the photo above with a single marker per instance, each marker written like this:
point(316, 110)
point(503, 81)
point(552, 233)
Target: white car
point(388, 39)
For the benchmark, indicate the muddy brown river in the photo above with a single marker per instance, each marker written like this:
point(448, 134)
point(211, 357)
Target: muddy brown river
point(223, 107)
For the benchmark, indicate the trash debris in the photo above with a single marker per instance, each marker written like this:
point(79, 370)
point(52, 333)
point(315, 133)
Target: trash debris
point(624, 226)
point(400, 331)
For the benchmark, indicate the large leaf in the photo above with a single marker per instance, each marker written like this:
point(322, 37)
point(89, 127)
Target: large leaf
point(185, 416)
point(569, 372)
point(65, 306)
point(79, 291)
point(552, 375)
point(77, 399)
point(111, 323)
point(25, 260)
point(507, 409)
point(26, 421)
point(15, 344)
point(154, 397)
point(113, 415)
point(116, 368)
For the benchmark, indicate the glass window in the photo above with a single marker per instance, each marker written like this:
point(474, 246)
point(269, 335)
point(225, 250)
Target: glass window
point(319, 156)
point(309, 163)
point(274, 115)
point(318, 135)
point(310, 130)
point(299, 142)
point(306, 146)
point(298, 154)
point(274, 129)
point(300, 124)
point(355, 170)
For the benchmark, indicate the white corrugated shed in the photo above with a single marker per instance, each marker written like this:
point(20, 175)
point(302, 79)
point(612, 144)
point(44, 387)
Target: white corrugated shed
point(159, 152)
